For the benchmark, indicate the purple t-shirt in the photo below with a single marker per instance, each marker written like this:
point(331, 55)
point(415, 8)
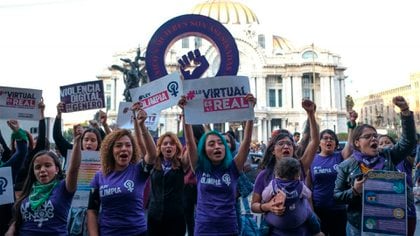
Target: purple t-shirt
point(216, 213)
point(323, 172)
point(121, 194)
point(51, 217)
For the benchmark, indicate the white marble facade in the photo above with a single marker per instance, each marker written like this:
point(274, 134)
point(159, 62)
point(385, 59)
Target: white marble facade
point(280, 73)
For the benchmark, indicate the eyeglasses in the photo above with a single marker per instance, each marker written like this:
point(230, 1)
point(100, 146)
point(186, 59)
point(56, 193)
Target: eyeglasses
point(369, 136)
point(328, 138)
point(284, 143)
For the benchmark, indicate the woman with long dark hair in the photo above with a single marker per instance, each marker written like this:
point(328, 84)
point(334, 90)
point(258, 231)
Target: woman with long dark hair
point(43, 206)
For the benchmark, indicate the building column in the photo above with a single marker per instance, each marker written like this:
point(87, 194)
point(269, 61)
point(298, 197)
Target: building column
point(325, 92)
point(297, 91)
point(287, 92)
point(227, 128)
point(260, 128)
point(269, 129)
point(261, 92)
point(332, 93)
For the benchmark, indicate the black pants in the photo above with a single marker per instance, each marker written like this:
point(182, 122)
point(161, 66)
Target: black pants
point(5, 217)
point(190, 200)
point(167, 226)
point(333, 222)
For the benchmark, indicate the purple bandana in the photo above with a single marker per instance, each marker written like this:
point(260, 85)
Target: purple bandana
point(375, 163)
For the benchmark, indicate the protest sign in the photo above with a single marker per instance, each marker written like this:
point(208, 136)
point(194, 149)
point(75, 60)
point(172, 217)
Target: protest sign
point(83, 96)
point(6, 186)
point(19, 103)
point(90, 164)
point(125, 121)
point(384, 209)
point(159, 94)
point(217, 100)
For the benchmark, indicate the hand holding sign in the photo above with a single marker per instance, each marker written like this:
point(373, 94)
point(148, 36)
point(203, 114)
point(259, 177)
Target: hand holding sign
point(77, 132)
point(251, 99)
point(60, 108)
point(195, 62)
point(141, 115)
point(182, 102)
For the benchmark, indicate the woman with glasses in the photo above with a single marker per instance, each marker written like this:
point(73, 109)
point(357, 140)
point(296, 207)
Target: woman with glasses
point(367, 156)
point(282, 145)
point(321, 180)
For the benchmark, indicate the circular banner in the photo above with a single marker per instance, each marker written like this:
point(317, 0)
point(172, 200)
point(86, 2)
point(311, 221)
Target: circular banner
point(191, 25)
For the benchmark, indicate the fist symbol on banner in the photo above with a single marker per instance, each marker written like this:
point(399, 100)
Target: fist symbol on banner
point(194, 65)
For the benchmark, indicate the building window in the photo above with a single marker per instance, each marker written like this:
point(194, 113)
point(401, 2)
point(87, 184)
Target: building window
point(276, 124)
point(309, 55)
point(108, 87)
point(108, 102)
point(272, 98)
point(198, 42)
point(279, 98)
point(307, 86)
point(275, 85)
point(219, 127)
point(261, 40)
point(186, 42)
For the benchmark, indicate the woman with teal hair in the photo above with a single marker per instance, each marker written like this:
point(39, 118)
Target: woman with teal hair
point(217, 177)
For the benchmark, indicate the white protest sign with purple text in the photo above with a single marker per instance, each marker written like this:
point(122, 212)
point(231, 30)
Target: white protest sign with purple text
point(6, 186)
point(19, 103)
point(125, 121)
point(159, 94)
point(83, 96)
point(217, 100)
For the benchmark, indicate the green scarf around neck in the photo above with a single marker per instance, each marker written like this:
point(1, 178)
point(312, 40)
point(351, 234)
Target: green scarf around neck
point(40, 193)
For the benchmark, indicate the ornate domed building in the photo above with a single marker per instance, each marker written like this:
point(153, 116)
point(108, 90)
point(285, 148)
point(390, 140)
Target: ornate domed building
point(281, 74)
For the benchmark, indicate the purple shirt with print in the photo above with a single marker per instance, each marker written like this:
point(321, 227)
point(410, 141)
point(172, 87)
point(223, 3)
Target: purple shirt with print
point(121, 194)
point(51, 217)
point(216, 213)
point(323, 173)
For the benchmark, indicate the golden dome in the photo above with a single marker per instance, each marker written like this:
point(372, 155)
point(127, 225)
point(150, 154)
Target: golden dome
point(226, 12)
point(281, 43)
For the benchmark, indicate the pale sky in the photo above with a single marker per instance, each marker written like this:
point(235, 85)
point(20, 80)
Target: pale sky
point(48, 43)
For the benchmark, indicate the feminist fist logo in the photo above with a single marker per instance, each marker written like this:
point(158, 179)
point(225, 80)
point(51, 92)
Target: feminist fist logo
point(193, 66)
point(3, 184)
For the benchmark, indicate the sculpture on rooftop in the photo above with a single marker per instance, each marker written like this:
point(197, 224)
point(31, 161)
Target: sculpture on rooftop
point(133, 75)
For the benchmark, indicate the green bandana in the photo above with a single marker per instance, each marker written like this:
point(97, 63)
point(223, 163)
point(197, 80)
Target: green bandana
point(40, 193)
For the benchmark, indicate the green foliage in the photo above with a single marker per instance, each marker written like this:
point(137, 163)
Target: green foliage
point(342, 136)
point(393, 134)
point(68, 135)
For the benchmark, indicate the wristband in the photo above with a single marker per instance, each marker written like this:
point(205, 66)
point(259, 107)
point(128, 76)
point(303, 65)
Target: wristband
point(350, 125)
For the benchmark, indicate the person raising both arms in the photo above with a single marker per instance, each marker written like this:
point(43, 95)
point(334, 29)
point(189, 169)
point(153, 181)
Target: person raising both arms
point(117, 189)
point(217, 175)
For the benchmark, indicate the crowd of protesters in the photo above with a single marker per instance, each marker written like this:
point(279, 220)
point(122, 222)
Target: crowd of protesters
point(304, 185)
